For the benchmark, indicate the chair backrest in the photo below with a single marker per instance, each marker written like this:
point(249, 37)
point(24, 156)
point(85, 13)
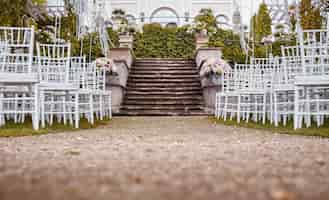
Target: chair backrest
point(263, 71)
point(19, 49)
point(3, 50)
point(101, 78)
point(77, 69)
point(315, 60)
point(314, 52)
point(292, 65)
point(313, 37)
point(236, 78)
point(54, 62)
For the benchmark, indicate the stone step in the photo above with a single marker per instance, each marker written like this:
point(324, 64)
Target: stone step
point(163, 98)
point(171, 66)
point(162, 88)
point(161, 69)
point(164, 81)
point(167, 61)
point(162, 76)
point(166, 72)
point(166, 93)
point(162, 107)
point(162, 113)
point(164, 102)
point(163, 85)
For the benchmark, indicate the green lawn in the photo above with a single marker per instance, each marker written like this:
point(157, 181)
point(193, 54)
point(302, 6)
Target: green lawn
point(15, 130)
point(313, 131)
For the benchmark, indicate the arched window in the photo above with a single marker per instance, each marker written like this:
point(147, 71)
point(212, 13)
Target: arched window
point(222, 20)
point(164, 16)
point(131, 19)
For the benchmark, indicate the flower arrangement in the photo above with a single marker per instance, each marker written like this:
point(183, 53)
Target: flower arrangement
point(214, 66)
point(108, 64)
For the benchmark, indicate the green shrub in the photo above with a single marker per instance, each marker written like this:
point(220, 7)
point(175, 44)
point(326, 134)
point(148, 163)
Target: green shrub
point(160, 42)
point(230, 44)
point(114, 37)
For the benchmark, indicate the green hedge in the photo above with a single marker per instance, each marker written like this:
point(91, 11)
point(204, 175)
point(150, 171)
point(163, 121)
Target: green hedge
point(230, 44)
point(159, 42)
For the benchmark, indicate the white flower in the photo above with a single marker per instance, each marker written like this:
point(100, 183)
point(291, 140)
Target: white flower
point(106, 63)
point(214, 66)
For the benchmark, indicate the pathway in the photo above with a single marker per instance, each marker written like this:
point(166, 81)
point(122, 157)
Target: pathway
point(164, 158)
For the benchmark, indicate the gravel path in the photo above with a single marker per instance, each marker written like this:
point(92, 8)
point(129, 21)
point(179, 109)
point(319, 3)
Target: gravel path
point(164, 158)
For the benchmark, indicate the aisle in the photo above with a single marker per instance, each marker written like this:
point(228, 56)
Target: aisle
point(164, 158)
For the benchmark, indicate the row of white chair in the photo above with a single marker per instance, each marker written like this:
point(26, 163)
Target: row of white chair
point(51, 86)
point(292, 87)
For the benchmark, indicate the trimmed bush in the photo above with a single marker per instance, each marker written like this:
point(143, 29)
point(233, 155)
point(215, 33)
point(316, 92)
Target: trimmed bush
point(230, 44)
point(161, 42)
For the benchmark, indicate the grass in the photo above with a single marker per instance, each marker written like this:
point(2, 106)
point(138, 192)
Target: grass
point(17, 130)
point(312, 131)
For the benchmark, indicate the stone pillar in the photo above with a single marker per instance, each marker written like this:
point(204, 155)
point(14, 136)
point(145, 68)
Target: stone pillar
point(201, 41)
point(123, 59)
point(210, 84)
point(126, 41)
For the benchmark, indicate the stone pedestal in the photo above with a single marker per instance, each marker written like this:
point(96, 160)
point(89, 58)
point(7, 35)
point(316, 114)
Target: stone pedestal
point(210, 84)
point(126, 41)
point(201, 41)
point(123, 54)
point(205, 53)
point(123, 59)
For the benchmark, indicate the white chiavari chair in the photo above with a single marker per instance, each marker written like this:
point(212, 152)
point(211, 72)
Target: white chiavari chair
point(18, 83)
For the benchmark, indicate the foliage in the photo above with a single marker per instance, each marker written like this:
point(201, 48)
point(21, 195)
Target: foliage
point(283, 39)
point(230, 44)
point(312, 131)
point(293, 17)
point(310, 15)
point(12, 129)
point(262, 23)
point(157, 41)
point(114, 37)
point(89, 45)
point(205, 20)
point(27, 13)
point(118, 12)
point(124, 28)
point(22, 12)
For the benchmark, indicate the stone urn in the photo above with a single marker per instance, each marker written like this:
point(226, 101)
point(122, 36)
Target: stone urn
point(126, 41)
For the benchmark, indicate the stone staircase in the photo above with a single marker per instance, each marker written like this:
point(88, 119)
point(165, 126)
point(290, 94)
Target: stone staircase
point(163, 87)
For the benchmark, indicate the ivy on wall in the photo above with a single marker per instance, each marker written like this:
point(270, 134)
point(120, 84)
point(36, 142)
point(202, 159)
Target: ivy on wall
point(156, 41)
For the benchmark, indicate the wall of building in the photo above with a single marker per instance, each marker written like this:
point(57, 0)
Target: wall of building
point(146, 11)
point(184, 10)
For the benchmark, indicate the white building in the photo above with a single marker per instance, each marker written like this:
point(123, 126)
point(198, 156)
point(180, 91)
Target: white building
point(142, 12)
point(179, 12)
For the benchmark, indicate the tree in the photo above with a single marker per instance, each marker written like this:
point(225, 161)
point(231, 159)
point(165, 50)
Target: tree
point(23, 12)
point(263, 23)
point(206, 20)
point(293, 17)
point(310, 15)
